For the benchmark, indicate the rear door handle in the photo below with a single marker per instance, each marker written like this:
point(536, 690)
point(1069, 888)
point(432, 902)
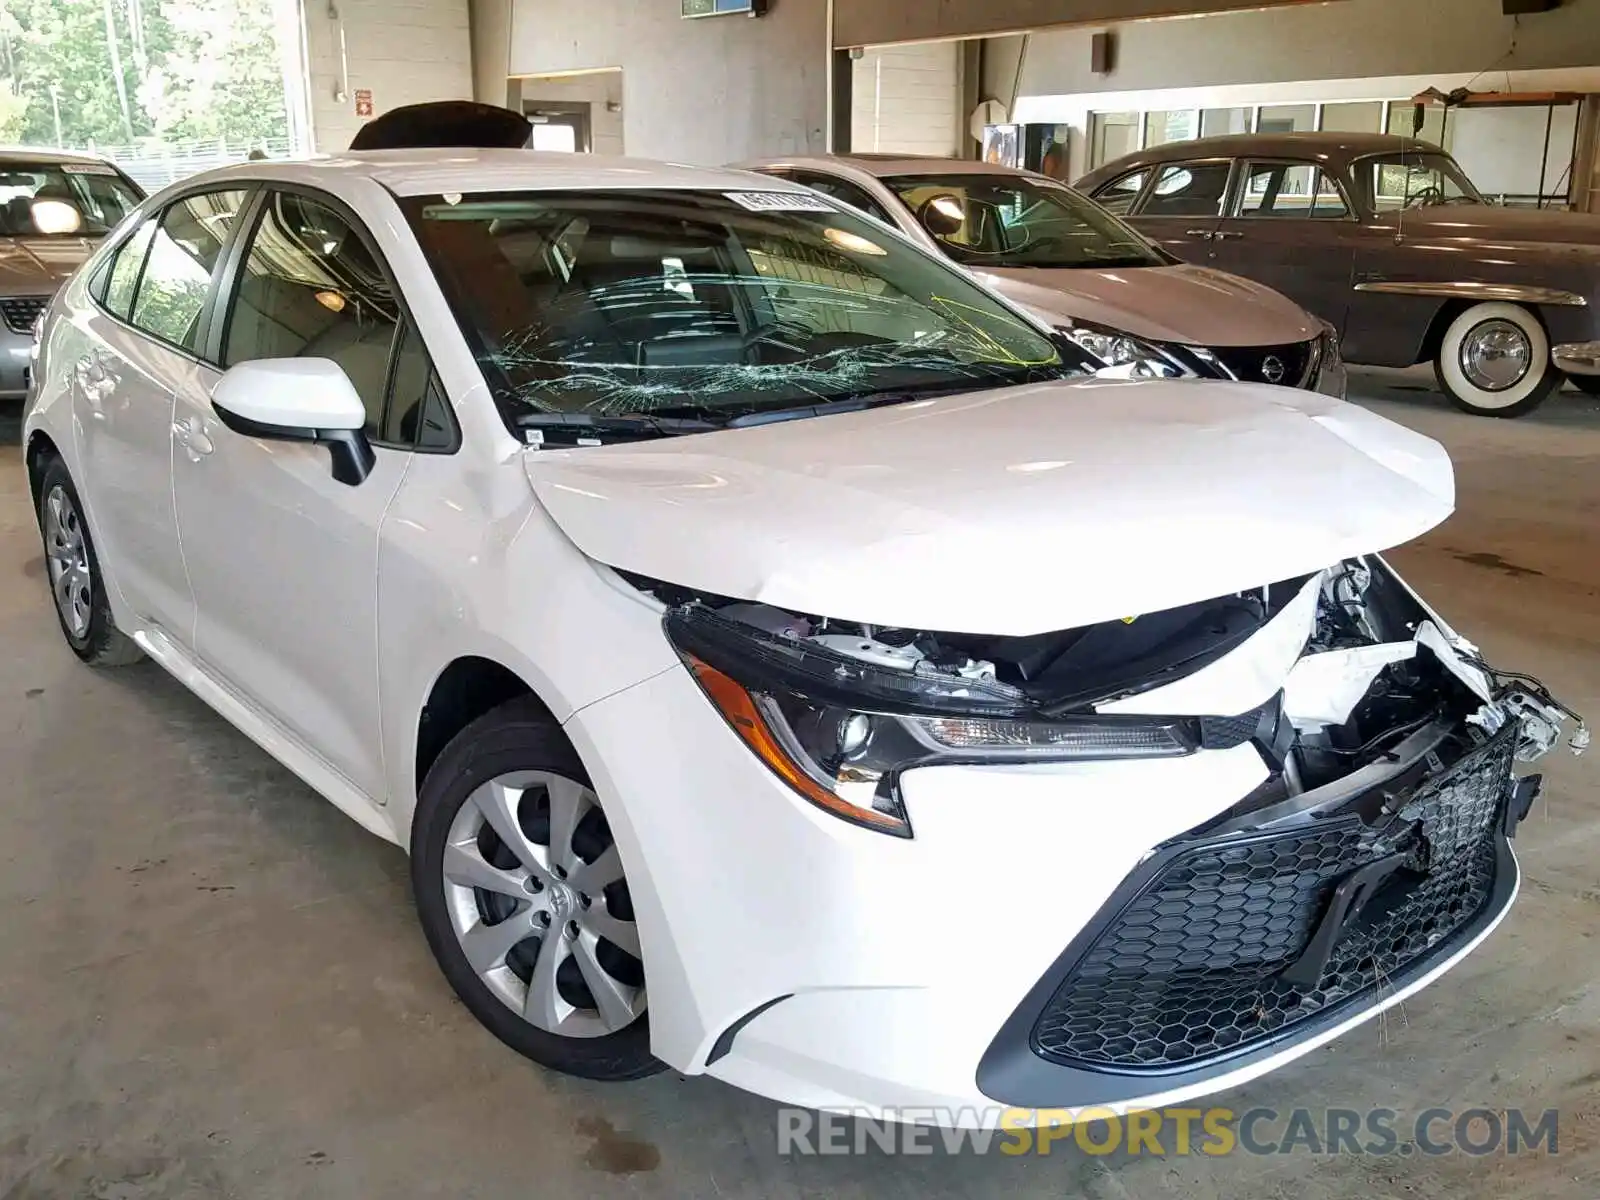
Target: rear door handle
point(1206, 234)
point(1223, 235)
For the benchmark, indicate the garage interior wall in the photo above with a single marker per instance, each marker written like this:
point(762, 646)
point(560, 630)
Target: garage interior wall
point(705, 90)
point(905, 99)
point(1355, 50)
point(401, 51)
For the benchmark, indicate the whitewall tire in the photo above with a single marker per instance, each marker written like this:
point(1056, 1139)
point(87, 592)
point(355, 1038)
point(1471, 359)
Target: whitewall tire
point(1494, 361)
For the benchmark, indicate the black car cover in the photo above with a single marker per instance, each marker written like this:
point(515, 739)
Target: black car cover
point(444, 123)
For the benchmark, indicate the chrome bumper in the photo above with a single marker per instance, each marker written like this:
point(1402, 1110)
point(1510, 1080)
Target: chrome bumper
point(1577, 358)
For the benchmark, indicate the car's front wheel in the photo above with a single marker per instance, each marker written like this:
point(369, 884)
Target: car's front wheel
point(522, 896)
point(73, 568)
point(1494, 361)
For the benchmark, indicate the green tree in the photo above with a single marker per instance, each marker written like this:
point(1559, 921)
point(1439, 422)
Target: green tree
point(117, 70)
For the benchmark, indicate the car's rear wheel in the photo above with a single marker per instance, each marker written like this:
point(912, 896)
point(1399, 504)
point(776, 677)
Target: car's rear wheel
point(1494, 361)
point(522, 896)
point(1588, 384)
point(73, 569)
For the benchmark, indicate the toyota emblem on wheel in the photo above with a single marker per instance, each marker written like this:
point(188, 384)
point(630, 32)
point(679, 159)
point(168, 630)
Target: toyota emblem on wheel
point(1272, 369)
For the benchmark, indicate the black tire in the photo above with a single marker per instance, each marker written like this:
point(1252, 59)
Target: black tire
point(101, 644)
point(1589, 385)
point(517, 736)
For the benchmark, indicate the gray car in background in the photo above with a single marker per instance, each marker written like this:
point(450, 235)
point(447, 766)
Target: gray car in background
point(54, 209)
point(1049, 249)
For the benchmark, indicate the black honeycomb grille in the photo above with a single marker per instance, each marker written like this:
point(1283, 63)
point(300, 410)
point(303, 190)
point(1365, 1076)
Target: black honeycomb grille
point(20, 312)
point(1189, 969)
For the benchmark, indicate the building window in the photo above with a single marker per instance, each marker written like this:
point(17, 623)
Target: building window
point(1215, 122)
point(1178, 125)
point(1286, 118)
point(1111, 135)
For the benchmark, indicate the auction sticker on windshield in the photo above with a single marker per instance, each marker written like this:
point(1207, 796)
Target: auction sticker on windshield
point(779, 202)
point(88, 169)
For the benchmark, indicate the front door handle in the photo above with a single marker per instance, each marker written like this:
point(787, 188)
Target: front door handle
point(1223, 235)
point(1204, 234)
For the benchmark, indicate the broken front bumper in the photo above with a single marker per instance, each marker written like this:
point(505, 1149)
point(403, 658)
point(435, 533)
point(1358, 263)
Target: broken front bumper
point(1577, 358)
point(1238, 942)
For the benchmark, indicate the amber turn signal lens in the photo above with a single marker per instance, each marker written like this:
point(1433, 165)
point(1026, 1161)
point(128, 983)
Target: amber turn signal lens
point(739, 710)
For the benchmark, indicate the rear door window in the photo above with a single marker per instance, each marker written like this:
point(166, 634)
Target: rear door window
point(125, 267)
point(183, 255)
point(1283, 189)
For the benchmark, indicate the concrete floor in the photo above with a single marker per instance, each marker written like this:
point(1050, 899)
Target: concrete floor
point(211, 983)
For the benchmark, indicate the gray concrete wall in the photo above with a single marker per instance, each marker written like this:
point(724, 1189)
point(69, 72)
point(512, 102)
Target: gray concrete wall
point(872, 22)
point(402, 51)
point(601, 90)
point(710, 90)
point(1352, 39)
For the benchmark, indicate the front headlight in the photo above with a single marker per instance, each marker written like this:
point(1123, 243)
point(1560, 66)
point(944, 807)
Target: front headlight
point(839, 731)
point(1124, 356)
point(1332, 378)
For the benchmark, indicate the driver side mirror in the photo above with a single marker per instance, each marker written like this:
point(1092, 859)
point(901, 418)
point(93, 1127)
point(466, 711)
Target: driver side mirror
point(298, 400)
point(942, 215)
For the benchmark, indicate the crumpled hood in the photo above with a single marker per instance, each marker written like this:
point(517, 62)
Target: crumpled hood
point(1011, 511)
point(38, 266)
point(1197, 306)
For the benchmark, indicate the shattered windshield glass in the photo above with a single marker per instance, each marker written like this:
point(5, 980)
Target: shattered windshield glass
point(708, 305)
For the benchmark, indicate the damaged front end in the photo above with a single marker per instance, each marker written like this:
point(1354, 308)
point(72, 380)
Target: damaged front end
point(1374, 851)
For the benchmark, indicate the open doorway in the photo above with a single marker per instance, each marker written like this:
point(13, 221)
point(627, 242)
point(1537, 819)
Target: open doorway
point(562, 126)
point(579, 113)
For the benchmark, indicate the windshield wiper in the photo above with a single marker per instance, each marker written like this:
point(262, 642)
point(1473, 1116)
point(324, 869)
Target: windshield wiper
point(593, 429)
point(861, 401)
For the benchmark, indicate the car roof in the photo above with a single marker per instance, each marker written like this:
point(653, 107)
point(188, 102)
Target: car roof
point(1327, 146)
point(885, 165)
point(41, 154)
point(426, 171)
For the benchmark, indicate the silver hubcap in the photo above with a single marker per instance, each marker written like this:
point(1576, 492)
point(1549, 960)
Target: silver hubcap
point(71, 578)
point(540, 908)
point(1496, 355)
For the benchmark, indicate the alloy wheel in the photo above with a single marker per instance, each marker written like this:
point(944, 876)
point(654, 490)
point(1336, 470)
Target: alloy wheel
point(67, 553)
point(536, 895)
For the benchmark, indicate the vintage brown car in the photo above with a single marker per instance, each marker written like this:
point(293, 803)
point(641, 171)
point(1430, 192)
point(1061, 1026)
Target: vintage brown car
point(1386, 238)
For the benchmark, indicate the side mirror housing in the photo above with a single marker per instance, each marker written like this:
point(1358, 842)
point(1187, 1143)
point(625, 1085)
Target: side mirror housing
point(942, 215)
point(298, 400)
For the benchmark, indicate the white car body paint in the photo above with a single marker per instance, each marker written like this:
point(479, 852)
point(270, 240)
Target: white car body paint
point(1006, 512)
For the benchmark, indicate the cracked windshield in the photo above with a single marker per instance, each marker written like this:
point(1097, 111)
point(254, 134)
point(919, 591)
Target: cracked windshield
point(709, 307)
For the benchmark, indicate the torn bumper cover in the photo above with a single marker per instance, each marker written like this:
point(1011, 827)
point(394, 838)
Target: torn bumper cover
point(1235, 941)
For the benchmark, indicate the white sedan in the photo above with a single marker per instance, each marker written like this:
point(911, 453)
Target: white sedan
point(779, 660)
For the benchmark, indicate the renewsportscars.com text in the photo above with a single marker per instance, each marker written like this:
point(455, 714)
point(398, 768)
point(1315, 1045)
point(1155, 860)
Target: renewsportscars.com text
point(1215, 1132)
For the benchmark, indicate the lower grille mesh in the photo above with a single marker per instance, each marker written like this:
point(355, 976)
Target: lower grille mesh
point(1189, 968)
